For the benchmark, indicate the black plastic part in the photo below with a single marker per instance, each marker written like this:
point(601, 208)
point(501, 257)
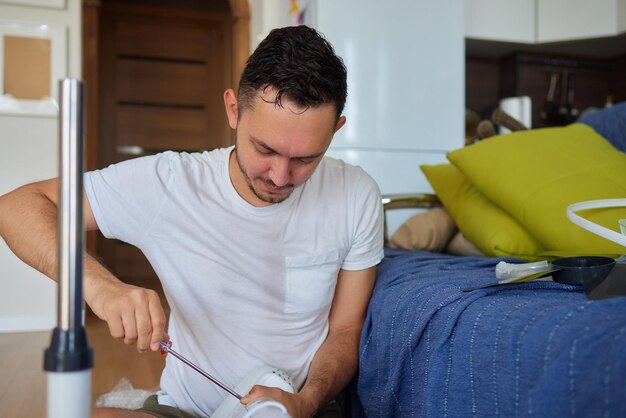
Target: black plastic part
point(582, 269)
point(69, 351)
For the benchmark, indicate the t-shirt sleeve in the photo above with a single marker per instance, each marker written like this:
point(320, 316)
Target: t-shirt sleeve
point(126, 198)
point(367, 215)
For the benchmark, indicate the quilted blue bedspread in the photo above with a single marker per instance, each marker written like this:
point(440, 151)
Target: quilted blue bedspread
point(537, 349)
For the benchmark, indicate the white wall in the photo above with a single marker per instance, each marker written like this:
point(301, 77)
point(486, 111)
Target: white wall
point(28, 152)
point(266, 15)
point(269, 14)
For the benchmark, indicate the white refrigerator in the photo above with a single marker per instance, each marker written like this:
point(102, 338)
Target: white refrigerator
point(406, 82)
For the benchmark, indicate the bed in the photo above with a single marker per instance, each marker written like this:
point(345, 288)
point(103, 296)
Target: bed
point(532, 349)
point(541, 348)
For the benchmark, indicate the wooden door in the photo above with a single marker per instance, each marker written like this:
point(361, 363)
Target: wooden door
point(162, 74)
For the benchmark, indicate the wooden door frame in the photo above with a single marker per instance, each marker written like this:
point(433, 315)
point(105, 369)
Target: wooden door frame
point(90, 16)
point(240, 10)
point(91, 9)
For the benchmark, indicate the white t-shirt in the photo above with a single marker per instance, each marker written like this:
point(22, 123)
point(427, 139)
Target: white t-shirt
point(247, 286)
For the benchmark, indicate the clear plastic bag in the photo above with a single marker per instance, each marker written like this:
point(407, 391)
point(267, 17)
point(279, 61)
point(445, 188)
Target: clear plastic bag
point(124, 395)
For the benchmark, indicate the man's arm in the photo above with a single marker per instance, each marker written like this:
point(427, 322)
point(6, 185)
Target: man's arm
point(28, 224)
point(336, 361)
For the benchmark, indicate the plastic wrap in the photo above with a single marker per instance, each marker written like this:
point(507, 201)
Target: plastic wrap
point(124, 395)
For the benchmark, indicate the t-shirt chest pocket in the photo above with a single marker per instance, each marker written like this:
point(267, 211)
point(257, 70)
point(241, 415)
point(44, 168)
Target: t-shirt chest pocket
point(310, 281)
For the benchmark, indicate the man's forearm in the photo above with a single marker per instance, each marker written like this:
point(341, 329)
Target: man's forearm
point(28, 224)
point(334, 364)
point(336, 361)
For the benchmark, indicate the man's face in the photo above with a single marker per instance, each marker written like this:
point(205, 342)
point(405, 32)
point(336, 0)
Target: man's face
point(277, 148)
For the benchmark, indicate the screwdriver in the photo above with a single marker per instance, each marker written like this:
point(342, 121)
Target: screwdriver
point(166, 347)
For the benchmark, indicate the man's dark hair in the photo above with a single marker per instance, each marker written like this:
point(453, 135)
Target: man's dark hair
point(300, 64)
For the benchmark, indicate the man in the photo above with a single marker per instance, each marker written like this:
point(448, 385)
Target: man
point(266, 250)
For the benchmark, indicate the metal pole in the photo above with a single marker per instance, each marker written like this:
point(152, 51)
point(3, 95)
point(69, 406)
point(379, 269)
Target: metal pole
point(69, 358)
point(71, 236)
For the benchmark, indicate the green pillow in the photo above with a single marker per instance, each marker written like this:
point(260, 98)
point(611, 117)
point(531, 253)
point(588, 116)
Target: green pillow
point(534, 175)
point(488, 227)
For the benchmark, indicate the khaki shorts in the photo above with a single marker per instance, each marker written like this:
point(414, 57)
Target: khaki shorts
point(151, 406)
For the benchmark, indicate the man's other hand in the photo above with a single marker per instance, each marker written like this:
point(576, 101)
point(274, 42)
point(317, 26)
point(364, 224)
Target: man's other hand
point(297, 406)
point(134, 314)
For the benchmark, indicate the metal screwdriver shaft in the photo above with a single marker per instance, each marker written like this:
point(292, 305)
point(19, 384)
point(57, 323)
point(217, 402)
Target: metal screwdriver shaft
point(166, 347)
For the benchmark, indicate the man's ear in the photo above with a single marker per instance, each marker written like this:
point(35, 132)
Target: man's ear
point(232, 110)
point(340, 123)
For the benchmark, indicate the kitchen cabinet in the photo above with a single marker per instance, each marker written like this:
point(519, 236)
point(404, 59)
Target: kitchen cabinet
point(561, 87)
point(500, 20)
point(564, 20)
point(578, 46)
point(543, 21)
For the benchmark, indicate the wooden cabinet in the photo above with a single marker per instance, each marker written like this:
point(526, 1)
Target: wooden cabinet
point(585, 82)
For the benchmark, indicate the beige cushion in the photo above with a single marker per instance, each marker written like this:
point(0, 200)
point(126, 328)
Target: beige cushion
point(459, 245)
point(430, 230)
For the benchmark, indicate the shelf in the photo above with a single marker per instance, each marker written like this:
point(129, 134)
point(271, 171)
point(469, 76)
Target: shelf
point(607, 47)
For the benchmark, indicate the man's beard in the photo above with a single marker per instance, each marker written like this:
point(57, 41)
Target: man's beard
point(266, 199)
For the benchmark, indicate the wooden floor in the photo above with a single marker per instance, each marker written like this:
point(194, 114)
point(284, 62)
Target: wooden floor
point(23, 381)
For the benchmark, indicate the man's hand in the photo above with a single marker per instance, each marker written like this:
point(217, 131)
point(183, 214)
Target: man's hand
point(134, 314)
point(297, 405)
